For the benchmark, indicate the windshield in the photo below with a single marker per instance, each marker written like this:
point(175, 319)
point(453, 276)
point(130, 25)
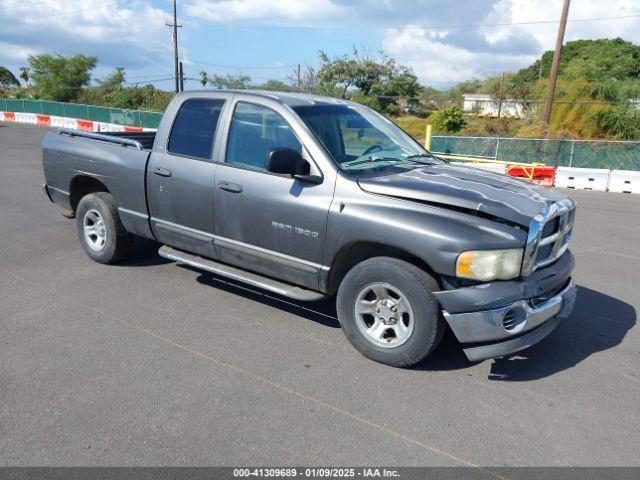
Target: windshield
point(357, 138)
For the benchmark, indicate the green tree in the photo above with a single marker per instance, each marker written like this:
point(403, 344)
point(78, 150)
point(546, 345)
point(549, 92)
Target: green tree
point(229, 81)
point(377, 83)
point(468, 86)
point(337, 75)
point(106, 88)
point(276, 86)
point(113, 81)
point(24, 74)
point(204, 78)
point(7, 79)
point(448, 120)
point(60, 78)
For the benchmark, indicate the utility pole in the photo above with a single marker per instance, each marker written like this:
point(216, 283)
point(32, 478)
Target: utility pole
point(175, 45)
point(181, 78)
point(553, 76)
point(540, 70)
point(501, 94)
point(298, 77)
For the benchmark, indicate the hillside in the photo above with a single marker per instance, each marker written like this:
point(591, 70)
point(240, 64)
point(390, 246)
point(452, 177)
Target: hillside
point(592, 72)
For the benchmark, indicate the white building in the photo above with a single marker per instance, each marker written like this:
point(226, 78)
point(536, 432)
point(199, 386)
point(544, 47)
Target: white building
point(487, 106)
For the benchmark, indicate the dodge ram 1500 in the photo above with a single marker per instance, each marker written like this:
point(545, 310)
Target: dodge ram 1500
point(309, 197)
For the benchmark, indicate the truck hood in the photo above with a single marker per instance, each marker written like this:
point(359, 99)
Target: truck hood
point(467, 188)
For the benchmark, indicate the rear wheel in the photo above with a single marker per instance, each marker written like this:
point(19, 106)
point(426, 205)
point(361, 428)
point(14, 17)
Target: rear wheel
point(100, 230)
point(388, 313)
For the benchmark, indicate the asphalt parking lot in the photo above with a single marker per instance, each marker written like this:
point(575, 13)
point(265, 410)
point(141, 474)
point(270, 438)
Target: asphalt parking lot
point(151, 363)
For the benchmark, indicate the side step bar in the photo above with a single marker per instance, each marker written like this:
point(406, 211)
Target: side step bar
point(233, 273)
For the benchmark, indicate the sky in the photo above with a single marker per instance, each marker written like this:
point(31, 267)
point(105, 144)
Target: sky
point(444, 42)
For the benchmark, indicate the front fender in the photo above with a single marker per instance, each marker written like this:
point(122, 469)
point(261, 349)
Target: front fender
point(435, 235)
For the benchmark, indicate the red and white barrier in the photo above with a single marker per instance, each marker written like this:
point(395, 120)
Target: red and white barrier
point(66, 122)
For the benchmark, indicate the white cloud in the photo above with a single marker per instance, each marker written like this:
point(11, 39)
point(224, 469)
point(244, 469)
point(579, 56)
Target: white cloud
point(119, 33)
point(233, 10)
point(441, 57)
point(132, 33)
point(515, 11)
point(438, 63)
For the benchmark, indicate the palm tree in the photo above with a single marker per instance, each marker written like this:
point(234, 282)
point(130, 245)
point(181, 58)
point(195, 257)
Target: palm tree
point(24, 74)
point(204, 78)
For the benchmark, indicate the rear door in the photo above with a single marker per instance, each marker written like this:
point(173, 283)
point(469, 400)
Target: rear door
point(181, 176)
point(265, 222)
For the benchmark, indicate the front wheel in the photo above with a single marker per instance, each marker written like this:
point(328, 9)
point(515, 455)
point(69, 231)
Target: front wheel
point(100, 230)
point(388, 313)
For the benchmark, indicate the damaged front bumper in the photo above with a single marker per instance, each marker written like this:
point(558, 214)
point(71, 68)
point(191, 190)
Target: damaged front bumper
point(513, 315)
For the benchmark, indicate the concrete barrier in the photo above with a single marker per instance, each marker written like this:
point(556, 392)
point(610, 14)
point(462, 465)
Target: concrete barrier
point(624, 181)
point(595, 179)
point(26, 118)
point(66, 122)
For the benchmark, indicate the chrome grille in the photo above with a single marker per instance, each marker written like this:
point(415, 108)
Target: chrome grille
point(549, 235)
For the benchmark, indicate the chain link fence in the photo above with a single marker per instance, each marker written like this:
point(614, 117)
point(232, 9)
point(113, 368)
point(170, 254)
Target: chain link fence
point(119, 116)
point(614, 155)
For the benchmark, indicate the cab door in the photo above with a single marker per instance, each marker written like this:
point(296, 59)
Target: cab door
point(269, 223)
point(181, 177)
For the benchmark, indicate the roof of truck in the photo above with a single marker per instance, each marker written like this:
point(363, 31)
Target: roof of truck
point(288, 98)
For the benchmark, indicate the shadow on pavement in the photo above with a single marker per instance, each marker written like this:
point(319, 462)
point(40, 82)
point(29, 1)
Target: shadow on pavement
point(447, 356)
point(322, 312)
point(145, 254)
point(599, 322)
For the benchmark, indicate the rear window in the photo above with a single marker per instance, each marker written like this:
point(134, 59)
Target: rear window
point(194, 128)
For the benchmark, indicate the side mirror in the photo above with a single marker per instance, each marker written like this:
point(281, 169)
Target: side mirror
point(287, 161)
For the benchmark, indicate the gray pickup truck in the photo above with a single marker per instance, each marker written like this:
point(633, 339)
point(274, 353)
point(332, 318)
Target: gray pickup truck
point(310, 197)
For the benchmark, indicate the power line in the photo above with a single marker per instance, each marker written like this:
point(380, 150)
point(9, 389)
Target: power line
point(158, 75)
point(236, 67)
point(433, 26)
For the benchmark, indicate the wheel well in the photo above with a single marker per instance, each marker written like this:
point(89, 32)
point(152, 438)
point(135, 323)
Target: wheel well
point(354, 253)
point(83, 185)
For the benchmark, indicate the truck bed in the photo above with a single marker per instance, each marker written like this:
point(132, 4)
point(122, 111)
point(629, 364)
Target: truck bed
point(118, 161)
point(140, 140)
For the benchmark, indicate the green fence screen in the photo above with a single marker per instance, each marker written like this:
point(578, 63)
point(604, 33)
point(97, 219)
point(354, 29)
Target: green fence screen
point(614, 155)
point(120, 116)
point(567, 153)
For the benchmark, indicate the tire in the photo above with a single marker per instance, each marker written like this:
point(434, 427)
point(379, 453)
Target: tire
point(109, 242)
point(407, 335)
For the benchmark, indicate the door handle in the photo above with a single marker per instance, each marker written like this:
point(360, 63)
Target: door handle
point(230, 187)
point(163, 172)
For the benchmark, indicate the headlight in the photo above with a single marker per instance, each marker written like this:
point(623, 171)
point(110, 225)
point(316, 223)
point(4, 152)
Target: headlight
point(489, 264)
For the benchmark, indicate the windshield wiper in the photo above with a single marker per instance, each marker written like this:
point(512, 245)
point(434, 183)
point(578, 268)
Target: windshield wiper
point(414, 158)
point(371, 160)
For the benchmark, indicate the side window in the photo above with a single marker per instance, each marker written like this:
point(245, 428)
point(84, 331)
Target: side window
point(194, 128)
point(254, 132)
